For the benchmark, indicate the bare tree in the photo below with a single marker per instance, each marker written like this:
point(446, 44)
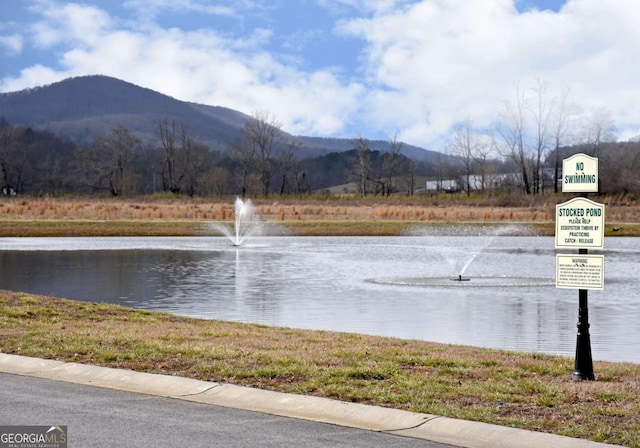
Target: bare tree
point(14, 157)
point(485, 169)
point(599, 128)
point(243, 152)
point(198, 164)
point(512, 128)
point(470, 148)
point(106, 164)
point(255, 150)
point(533, 126)
point(391, 164)
point(300, 177)
point(178, 149)
point(540, 109)
point(361, 165)
point(443, 170)
point(286, 162)
point(409, 169)
point(168, 135)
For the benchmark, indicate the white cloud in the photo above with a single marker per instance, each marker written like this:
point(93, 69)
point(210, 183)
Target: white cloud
point(149, 9)
point(426, 65)
point(12, 42)
point(201, 66)
point(72, 22)
point(446, 60)
point(368, 6)
point(35, 75)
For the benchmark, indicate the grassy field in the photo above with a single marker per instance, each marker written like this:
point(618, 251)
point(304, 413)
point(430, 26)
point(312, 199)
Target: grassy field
point(183, 216)
point(521, 390)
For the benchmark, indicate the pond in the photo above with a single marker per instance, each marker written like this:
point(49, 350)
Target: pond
point(388, 286)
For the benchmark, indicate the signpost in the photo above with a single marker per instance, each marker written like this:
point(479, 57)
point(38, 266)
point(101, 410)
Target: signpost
point(580, 224)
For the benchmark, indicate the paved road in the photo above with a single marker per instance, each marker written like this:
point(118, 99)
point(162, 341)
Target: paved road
point(98, 417)
point(105, 407)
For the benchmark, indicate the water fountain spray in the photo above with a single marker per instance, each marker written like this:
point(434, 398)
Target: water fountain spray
point(242, 210)
point(244, 223)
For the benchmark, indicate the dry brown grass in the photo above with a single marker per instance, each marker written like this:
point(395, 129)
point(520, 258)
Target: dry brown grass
point(283, 210)
point(311, 217)
point(200, 210)
point(184, 216)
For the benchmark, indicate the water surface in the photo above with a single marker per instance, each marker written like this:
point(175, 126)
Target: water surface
point(389, 286)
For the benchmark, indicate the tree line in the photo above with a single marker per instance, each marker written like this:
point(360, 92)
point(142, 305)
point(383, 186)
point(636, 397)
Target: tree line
point(262, 161)
point(535, 131)
point(523, 154)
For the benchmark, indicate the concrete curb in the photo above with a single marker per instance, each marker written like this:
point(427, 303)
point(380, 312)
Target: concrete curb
point(423, 426)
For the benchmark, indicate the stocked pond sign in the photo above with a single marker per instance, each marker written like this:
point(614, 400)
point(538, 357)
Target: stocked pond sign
point(580, 224)
point(580, 174)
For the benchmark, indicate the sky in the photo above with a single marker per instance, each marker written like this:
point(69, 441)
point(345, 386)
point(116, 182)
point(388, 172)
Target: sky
point(413, 69)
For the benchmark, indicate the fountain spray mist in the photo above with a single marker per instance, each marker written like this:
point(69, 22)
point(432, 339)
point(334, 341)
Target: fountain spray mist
point(245, 224)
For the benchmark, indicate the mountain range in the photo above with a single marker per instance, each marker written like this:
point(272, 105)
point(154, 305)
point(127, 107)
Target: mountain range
point(81, 108)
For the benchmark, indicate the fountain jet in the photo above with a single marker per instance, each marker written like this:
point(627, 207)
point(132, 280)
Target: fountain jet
point(242, 211)
point(244, 224)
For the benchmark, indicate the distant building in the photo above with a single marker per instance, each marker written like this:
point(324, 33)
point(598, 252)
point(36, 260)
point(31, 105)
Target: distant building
point(491, 182)
point(447, 185)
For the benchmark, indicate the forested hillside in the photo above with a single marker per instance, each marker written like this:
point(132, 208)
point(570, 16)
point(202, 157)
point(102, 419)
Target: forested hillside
point(127, 139)
point(84, 107)
point(99, 134)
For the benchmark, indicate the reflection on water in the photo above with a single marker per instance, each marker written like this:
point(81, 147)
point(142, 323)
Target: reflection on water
point(392, 286)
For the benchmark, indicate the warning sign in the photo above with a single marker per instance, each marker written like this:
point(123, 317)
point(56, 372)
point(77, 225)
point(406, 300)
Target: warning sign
point(580, 271)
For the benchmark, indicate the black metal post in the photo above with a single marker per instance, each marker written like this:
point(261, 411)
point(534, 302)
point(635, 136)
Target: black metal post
point(583, 367)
